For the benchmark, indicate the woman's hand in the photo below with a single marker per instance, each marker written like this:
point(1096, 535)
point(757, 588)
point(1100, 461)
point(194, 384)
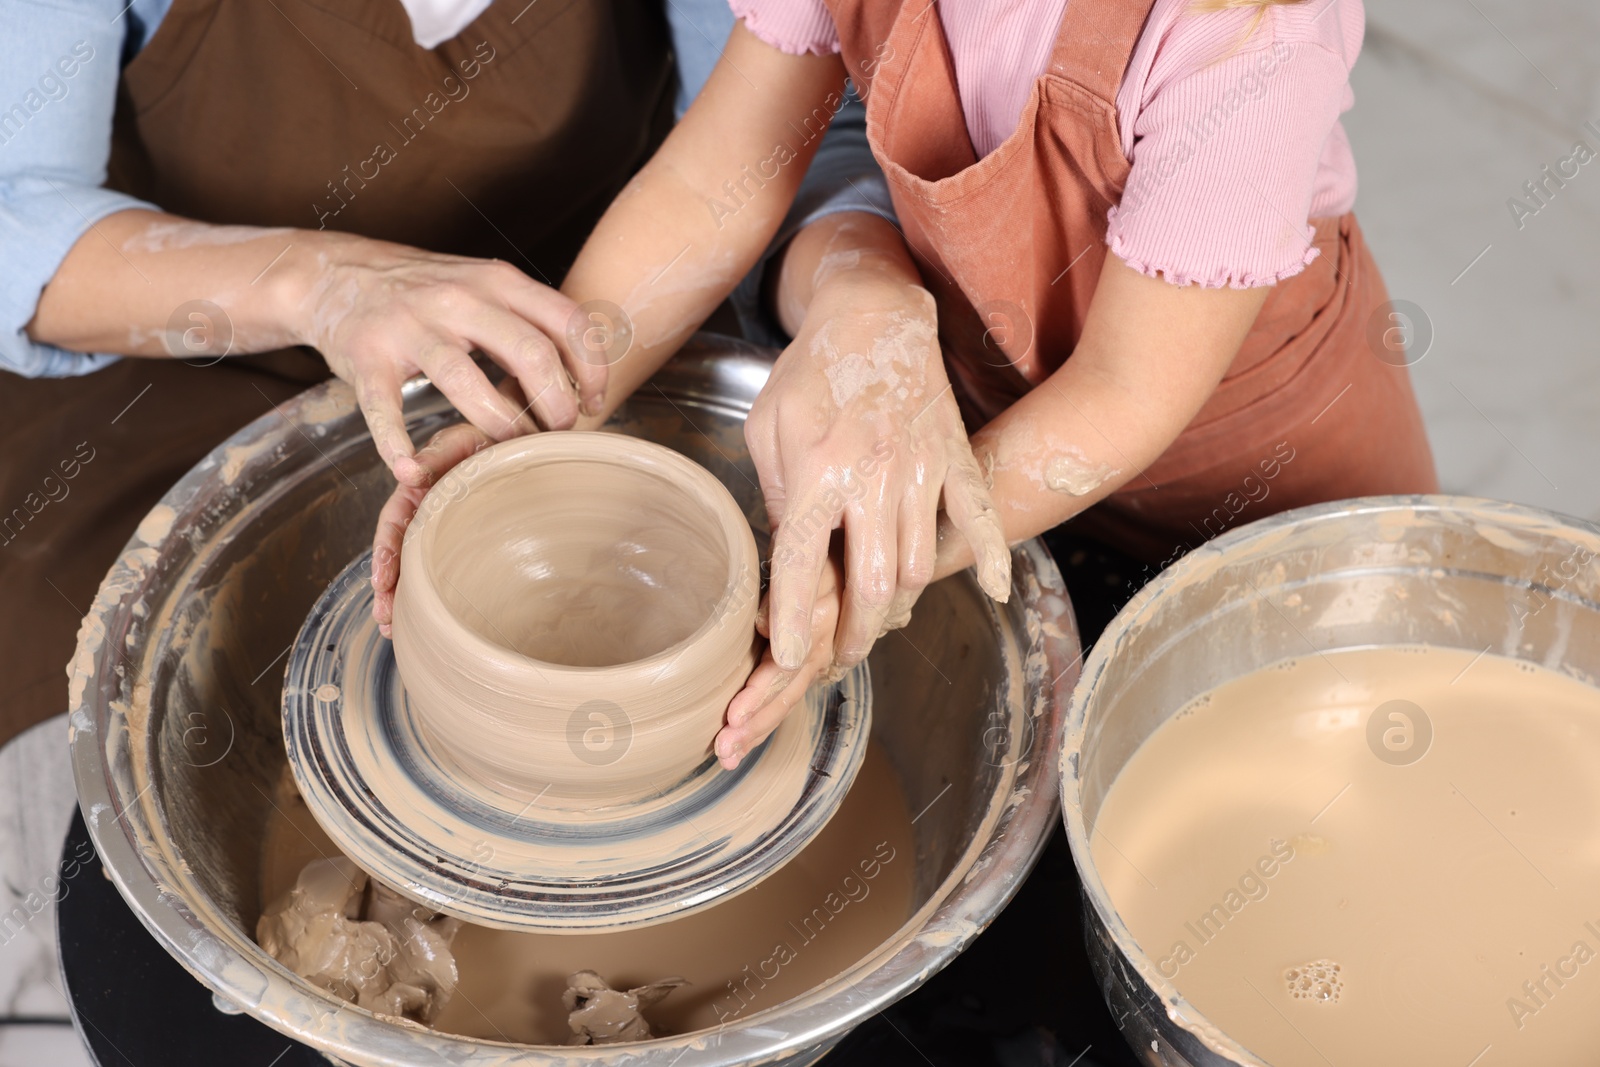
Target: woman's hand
point(771, 692)
point(382, 313)
point(657, 256)
point(858, 427)
point(378, 312)
point(450, 446)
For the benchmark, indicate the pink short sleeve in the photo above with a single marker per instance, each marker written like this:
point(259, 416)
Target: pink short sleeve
point(793, 26)
point(1229, 163)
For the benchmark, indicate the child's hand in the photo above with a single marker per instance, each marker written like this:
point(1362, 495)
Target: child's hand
point(772, 692)
point(858, 427)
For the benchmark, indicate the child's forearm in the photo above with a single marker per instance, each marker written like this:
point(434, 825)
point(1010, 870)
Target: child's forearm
point(1150, 356)
point(691, 224)
point(844, 248)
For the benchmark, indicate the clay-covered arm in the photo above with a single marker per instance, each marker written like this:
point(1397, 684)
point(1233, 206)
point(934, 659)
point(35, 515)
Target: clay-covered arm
point(122, 281)
point(1151, 354)
point(858, 430)
point(847, 249)
point(693, 221)
point(671, 246)
point(144, 283)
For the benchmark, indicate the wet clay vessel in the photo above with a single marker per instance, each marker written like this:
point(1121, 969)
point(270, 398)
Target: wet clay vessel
point(574, 613)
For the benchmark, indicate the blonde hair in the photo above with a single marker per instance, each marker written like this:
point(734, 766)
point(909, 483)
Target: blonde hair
point(1223, 5)
point(1260, 7)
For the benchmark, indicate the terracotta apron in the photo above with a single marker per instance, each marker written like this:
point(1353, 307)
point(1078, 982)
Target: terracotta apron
point(508, 141)
point(1012, 245)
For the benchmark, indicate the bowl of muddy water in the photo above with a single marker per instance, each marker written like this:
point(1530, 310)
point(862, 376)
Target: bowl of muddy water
point(1330, 785)
point(179, 758)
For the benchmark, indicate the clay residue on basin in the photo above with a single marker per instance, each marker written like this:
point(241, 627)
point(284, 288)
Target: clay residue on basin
point(361, 941)
point(849, 890)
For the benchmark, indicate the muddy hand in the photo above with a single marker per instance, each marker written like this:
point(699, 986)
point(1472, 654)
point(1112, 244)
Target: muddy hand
point(444, 450)
point(772, 692)
point(858, 428)
point(383, 313)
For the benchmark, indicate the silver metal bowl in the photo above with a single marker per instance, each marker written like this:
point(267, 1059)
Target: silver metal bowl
point(486, 856)
point(177, 744)
point(1452, 572)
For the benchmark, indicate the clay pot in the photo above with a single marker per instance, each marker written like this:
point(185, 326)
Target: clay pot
point(574, 613)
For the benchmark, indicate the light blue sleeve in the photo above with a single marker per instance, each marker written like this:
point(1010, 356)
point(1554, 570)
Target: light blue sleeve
point(843, 174)
point(60, 62)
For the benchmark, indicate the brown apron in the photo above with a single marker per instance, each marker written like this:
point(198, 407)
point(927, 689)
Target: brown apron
point(1012, 245)
point(508, 141)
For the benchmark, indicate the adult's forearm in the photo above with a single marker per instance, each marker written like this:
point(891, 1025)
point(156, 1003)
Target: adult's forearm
point(143, 283)
point(138, 283)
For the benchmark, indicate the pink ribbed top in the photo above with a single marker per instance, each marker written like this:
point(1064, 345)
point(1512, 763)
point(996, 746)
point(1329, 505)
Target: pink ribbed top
point(1233, 136)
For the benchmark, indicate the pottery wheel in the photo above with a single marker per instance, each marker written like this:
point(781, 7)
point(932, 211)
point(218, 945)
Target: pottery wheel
point(418, 823)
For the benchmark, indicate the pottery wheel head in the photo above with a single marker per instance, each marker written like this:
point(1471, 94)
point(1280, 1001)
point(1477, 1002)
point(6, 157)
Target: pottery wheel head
point(499, 857)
